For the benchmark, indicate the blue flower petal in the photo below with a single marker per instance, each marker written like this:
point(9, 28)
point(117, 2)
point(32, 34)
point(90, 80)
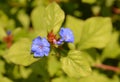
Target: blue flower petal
point(45, 42)
point(37, 41)
point(34, 48)
point(40, 47)
point(38, 55)
point(46, 51)
point(59, 42)
point(66, 34)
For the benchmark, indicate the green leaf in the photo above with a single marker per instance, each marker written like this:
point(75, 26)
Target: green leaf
point(54, 18)
point(19, 53)
point(38, 19)
point(96, 10)
point(23, 18)
point(53, 65)
point(74, 65)
point(109, 3)
point(89, 1)
point(75, 25)
point(4, 79)
point(25, 72)
point(40, 68)
point(3, 19)
point(20, 33)
point(16, 72)
point(11, 25)
point(2, 33)
point(112, 50)
point(96, 33)
point(97, 77)
point(47, 19)
point(92, 57)
point(2, 66)
point(64, 79)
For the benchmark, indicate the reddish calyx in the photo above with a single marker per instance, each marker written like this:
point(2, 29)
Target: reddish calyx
point(51, 37)
point(8, 40)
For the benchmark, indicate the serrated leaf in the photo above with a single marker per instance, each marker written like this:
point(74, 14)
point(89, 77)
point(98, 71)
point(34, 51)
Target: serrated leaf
point(75, 25)
point(74, 65)
point(38, 18)
point(53, 65)
point(47, 19)
point(54, 18)
point(19, 53)
point(96, 33)
point(112, 50)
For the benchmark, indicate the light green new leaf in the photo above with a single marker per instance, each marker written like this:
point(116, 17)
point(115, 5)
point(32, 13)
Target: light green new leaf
point(38, 18)
point(23, 18)
point(19, 53)
point(54, 18)
point(112, 50)
point(47, 19)
point(89, 1)
point(2, 33)
point(75, 25)
point(53, 65)
point(96, 33)
point(74, 65)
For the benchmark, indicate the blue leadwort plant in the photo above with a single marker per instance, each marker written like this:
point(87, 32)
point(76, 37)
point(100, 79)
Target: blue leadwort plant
point(40, 47)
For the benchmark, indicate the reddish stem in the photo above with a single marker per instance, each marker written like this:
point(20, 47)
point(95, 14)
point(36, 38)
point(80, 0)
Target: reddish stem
point(107, 67)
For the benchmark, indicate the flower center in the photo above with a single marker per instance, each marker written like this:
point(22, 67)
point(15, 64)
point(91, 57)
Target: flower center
point(65, 37)
point(41, 46)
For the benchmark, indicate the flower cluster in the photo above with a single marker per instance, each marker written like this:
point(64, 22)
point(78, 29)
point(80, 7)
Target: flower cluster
point(41, 46)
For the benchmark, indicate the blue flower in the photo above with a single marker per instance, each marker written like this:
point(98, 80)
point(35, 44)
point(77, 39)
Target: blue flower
point(8, 32)
point(40, 47)
point(66, 35)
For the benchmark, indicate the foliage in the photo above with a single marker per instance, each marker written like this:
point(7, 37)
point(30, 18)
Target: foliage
point(93, 56)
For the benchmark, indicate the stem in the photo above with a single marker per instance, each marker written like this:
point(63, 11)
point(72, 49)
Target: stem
point(107, 67)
